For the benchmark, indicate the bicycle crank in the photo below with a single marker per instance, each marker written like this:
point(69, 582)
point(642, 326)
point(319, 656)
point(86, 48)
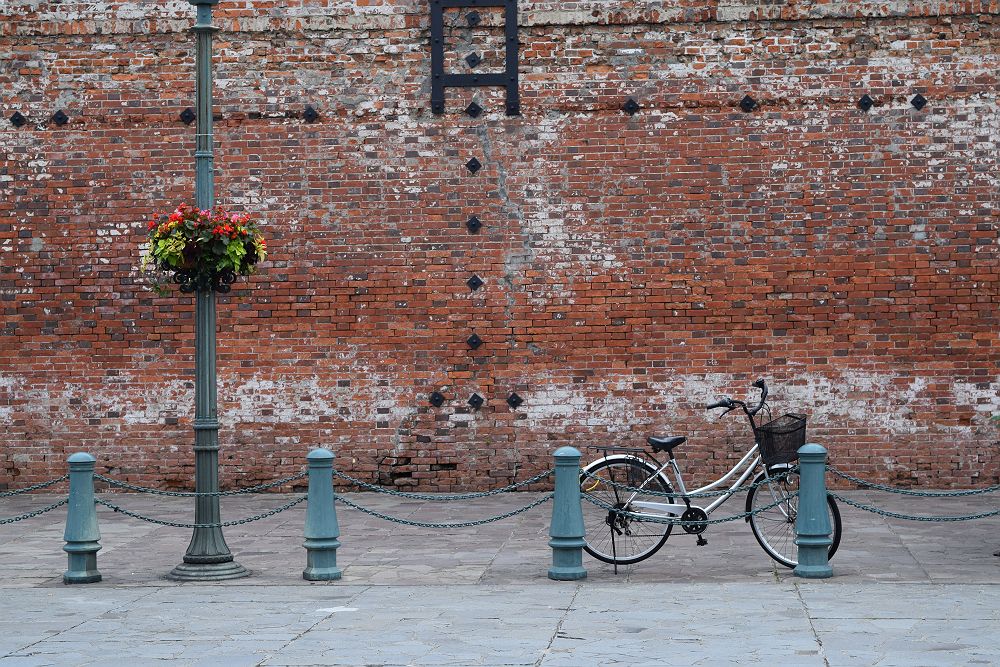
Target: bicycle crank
point(694, 514)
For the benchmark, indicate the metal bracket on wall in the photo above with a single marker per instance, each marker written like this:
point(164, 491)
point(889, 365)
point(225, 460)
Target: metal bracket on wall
point(441, 80)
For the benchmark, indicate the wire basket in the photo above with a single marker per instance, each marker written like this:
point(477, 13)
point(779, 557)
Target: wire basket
point(780, 439)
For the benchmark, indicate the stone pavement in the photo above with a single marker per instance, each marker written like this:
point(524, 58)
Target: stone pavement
point(903, 593)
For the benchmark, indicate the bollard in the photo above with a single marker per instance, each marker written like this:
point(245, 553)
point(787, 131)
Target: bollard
point(567, 529)
point(82, 534)
point(321, 530)
point(812, 524)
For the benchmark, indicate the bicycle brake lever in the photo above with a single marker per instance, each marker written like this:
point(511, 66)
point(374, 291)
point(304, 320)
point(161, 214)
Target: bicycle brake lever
point(727, 412)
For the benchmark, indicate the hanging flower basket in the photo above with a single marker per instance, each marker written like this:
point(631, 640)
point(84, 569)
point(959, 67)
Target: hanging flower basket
point(201, 249)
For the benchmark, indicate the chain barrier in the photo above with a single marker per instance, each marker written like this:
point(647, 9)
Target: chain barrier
point(176, 524)
point(31, 515)
point(189, 494)
point(446, 497)
point(460, 524)
point(674, 494)
point(33, 487)
point(679, 522)
point(911, 517)
point(910, 492)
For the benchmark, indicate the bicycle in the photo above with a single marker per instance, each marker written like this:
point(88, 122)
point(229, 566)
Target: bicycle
point(627, 521)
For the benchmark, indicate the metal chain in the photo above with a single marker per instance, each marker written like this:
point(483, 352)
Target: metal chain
point(909, 492)
point(447, 497)
point(31, 515)
point(33, 487)
point(678, 521)
point(674, 494)
point(175, 524)
point(909, 517)
point(188, 494)
point(461, 524)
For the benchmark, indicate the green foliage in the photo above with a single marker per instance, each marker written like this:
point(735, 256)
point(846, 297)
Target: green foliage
point(201, 243)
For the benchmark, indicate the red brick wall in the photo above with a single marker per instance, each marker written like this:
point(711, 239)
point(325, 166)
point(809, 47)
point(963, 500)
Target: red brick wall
point(635, 267)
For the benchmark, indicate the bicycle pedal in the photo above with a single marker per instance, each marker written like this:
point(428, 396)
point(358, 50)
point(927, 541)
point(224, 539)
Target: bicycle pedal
point(702, 541)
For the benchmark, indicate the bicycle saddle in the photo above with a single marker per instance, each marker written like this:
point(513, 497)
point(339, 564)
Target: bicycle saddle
point(665, 444)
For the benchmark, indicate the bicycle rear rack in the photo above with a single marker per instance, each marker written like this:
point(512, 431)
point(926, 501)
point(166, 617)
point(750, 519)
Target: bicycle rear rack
point(615, 448)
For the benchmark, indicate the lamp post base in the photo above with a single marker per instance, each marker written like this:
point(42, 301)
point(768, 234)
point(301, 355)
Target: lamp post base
point(208, 571)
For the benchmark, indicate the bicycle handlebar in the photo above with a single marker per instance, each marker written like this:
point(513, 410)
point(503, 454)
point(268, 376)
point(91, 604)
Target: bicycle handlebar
point(760, 384)
point(726, 402)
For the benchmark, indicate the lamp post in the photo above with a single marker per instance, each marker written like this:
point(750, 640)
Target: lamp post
point(207, 557)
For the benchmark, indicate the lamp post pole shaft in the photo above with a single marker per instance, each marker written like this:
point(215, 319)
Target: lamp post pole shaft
point(207, 557)
point(203, 158)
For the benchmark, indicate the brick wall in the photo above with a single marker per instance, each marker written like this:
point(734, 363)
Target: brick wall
point(635, 266)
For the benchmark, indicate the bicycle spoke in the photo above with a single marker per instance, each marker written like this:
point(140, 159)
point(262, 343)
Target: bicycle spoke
point(774, 528)
point(612, 534)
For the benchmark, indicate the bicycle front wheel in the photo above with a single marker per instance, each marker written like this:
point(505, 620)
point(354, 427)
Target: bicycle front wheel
point(611, 534)
point(774, 528)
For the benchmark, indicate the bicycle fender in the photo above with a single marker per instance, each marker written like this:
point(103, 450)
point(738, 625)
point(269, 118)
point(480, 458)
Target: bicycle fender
point(629, 457)
point(756, 479)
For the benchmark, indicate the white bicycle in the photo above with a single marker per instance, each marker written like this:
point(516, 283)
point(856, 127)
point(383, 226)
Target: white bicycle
point(632, 499)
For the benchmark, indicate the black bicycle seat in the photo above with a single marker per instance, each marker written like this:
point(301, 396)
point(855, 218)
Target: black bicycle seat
point(665, 444)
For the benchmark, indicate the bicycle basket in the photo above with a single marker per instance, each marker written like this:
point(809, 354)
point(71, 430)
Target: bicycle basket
point(780, 439)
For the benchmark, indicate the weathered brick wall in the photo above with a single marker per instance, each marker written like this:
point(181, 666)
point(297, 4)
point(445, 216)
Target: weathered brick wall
point(635, 267)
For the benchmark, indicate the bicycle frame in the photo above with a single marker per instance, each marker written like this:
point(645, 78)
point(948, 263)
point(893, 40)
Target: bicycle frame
point(750, 462)
point(621, 531)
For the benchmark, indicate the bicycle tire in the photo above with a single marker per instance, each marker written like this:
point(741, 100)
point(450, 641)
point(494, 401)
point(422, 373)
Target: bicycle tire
point(613, 537)
point(774, 529)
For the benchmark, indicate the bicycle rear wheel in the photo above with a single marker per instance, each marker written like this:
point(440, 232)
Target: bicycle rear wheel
point(611, 535)
point(774, 528)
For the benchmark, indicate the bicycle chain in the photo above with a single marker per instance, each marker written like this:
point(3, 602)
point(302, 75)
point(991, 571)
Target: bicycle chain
point(909, 517)
point(189, 494)
point(909, 492)
point(443, 498)
point(462, 524)
point(176, 524)
point(31, 515)
point(34, 487)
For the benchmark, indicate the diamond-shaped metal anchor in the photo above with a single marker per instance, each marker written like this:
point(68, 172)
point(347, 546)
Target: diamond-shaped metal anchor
point(474, 341)
point(748, 103)
point(473, 19)
point(865, 103)
point(310, 114)
point(474, 283)
point(17, 119)
point(474, 110)
point(473, 165)
point(514, 400)
point(918, 102)
point(474, 225)
point(60, 118)
point(187, 116)
point(630, 107)
point(437, 399)
point(476, 401)
point(473, 59)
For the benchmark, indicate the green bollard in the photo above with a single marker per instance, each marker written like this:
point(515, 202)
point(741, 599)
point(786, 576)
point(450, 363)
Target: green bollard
point(812, 524)
point(566, 529)
point(82, 534)
point(321, 530)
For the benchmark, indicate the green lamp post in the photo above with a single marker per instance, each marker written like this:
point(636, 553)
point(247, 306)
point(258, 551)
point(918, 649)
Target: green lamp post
point(208, 557)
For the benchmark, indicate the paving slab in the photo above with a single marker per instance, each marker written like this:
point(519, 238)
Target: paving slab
point(903, 593)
